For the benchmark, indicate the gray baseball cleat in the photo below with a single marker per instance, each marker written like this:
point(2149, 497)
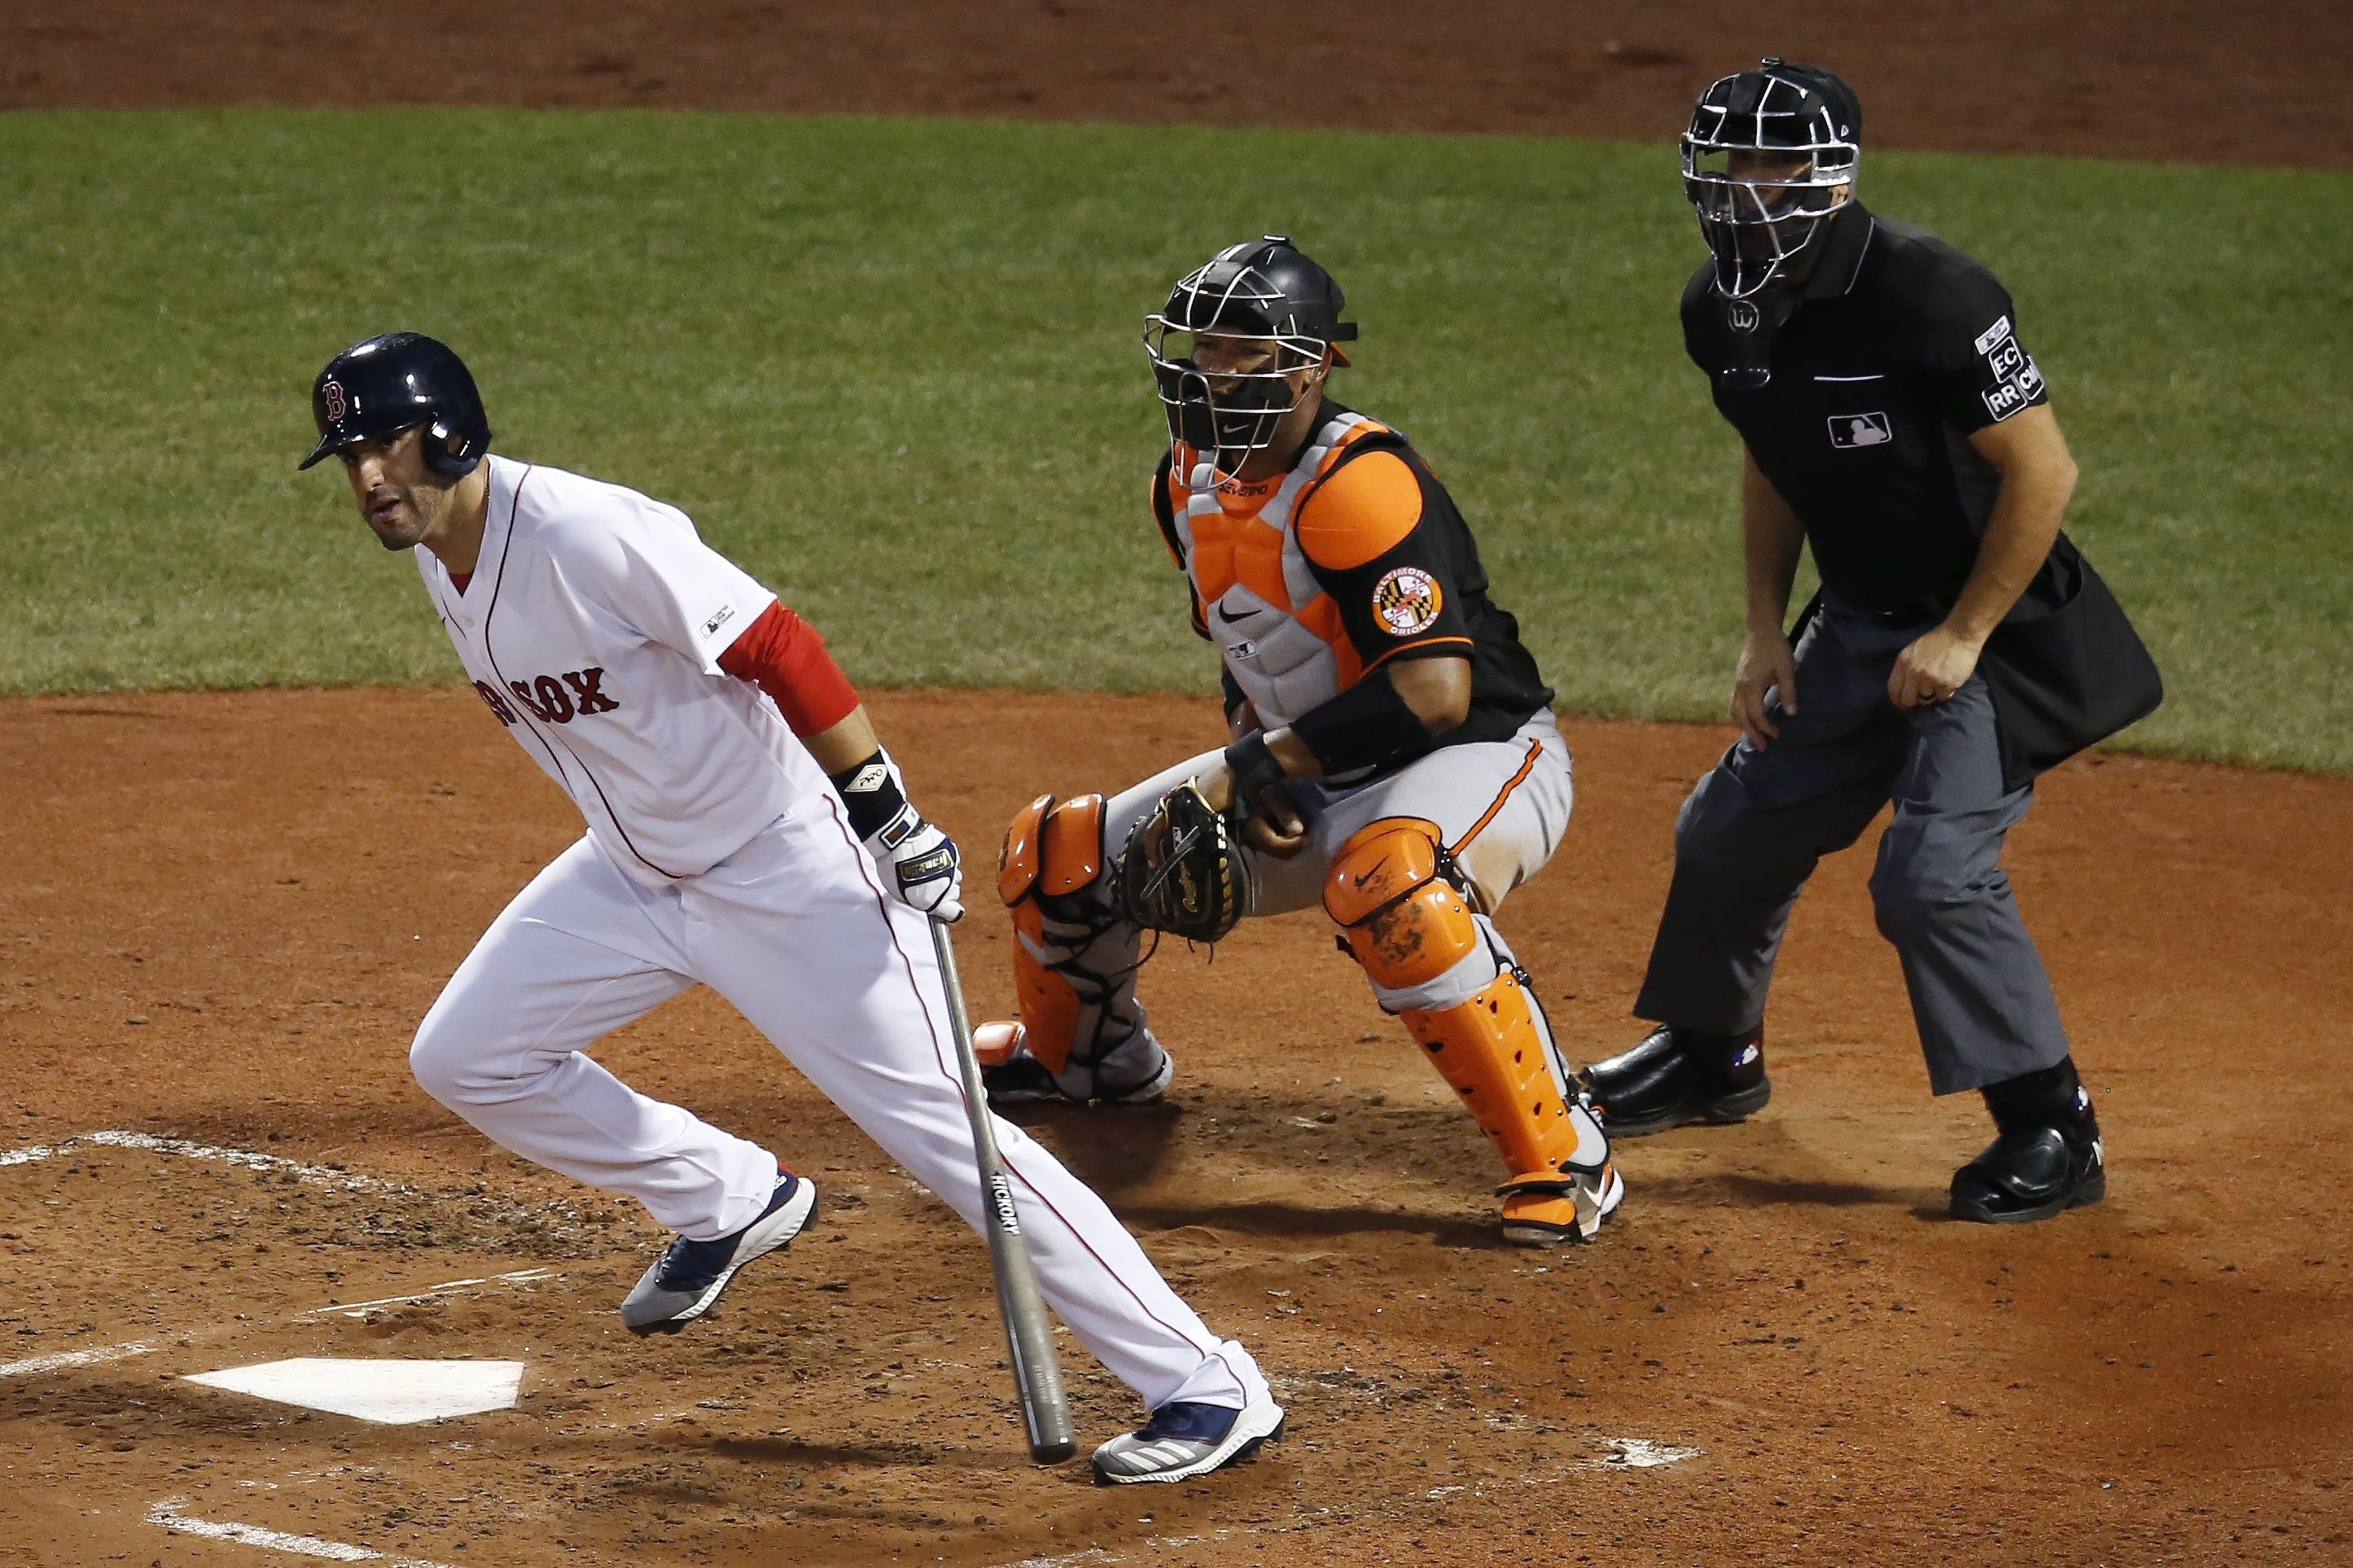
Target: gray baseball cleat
point(1185, 1439)
point(686, 1280)
point(1136, 1071)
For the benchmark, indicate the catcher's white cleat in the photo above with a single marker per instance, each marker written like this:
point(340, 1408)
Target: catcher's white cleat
point(1540, 1211)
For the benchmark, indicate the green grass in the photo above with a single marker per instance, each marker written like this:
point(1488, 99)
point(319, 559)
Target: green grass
point(891, 367)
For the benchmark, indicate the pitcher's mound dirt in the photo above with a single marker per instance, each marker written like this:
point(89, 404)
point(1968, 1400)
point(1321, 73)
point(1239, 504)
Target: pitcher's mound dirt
point(225, 914)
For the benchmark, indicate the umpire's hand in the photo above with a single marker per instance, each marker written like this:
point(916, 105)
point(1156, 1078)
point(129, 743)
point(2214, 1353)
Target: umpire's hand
point(1938, 663)
point(1766, 663)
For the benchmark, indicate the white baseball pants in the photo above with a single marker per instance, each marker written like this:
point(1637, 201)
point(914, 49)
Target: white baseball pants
point(795, 931)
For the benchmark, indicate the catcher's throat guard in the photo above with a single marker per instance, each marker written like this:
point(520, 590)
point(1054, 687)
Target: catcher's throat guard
point(1234, 333)
point(1769, 155)
point(1182, 871)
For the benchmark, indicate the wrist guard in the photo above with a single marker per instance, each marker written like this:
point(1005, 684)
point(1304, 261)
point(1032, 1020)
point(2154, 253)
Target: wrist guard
point(877, 801)
point(1253, 767)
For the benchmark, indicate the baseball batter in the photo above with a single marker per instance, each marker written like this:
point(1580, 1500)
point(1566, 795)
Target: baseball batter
point(1394, 756)
point(745, 831)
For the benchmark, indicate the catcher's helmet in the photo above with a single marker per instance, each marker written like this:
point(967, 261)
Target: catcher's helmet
point(1755, 221)
point(391, 382)
point(1263, 291)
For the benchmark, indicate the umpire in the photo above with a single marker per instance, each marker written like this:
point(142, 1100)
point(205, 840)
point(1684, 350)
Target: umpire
point(1891, 418)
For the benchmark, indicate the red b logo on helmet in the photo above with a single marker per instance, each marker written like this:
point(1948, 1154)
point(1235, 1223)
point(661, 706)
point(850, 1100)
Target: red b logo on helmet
point(334, 399)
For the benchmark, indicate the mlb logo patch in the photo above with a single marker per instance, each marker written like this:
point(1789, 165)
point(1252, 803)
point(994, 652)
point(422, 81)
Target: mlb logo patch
point(1991, 338)
point(1852, 430)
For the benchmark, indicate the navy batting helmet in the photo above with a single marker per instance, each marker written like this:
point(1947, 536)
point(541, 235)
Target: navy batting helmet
point(388, 382)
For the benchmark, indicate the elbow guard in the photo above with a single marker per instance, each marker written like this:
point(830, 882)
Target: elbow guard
point(1366, 726)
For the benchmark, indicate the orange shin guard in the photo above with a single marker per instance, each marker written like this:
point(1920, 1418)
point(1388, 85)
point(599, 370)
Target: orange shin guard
point(1052, 849)
point(1492, 1051)
point(1413, 931)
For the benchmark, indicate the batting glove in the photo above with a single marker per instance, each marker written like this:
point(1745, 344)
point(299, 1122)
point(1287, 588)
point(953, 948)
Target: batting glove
point(919, 863)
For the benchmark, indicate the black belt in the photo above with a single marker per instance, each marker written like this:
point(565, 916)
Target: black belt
point(1918, 611)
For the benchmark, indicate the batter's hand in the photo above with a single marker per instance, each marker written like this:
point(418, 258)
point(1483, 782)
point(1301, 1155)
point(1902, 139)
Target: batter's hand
point(1766, 662)
point(925, 872)
point(1938, 663)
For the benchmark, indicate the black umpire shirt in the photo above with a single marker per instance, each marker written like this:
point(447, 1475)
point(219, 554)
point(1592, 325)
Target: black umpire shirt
point(1882, 362)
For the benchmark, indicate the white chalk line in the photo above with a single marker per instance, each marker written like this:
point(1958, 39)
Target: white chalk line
point(167, 1515)
point(153, 1143)
point(156, 1143)
point(1639, 1454)
point(100, 1353)
point(90, 1357)
point(361, 1308)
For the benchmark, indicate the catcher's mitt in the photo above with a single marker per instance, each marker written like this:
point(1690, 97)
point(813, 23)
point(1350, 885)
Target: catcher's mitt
point(1182, 872)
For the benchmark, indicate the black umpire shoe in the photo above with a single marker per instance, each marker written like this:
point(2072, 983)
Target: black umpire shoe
point(1677, 1076)
point(2033, 1171)
point(2048, 1158)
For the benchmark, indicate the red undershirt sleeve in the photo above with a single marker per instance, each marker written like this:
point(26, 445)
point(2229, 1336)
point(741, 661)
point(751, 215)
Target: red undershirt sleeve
point(783, 656)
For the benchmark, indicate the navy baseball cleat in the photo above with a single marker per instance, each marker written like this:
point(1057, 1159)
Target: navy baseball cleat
point(686, 1280)
point(1676, 1076)
point(1185, 1439)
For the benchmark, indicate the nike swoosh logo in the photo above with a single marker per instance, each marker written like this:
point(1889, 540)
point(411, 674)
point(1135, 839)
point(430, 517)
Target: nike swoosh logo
point(1373, 873)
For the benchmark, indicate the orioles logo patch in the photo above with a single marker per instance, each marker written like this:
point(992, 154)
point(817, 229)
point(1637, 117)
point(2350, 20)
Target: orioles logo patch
point(1406, 602)
point(334, 394)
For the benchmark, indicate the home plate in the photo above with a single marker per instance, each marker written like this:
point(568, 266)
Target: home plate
point(394, 1393)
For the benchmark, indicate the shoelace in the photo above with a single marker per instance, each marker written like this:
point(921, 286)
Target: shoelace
point(691, 1264)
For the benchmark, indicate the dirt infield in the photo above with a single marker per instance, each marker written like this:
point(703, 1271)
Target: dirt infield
point(221, 917)
point(224, 915)
point(2171, 79)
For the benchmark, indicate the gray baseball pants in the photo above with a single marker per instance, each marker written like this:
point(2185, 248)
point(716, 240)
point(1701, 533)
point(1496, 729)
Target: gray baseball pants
point(1752, 831)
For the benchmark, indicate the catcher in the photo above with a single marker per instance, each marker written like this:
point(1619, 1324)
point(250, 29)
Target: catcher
point(1394, 755)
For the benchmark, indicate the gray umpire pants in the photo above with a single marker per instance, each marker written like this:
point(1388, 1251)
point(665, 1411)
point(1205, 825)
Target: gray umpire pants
point(1752, 831)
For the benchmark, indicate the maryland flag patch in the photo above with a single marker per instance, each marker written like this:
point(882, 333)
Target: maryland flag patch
point(1406, 602)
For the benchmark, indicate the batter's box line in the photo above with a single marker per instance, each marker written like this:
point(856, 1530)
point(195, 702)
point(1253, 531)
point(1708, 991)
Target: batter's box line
point(97, 1354)
point(167, 1515)
point(154, 1144)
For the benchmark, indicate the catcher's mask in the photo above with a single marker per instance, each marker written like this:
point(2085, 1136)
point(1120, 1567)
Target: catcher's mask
point(1233, 334)
point(1770, 154)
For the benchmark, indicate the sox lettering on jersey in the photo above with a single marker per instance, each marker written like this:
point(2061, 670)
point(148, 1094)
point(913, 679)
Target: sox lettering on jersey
point(583, 625)
point(547, 700)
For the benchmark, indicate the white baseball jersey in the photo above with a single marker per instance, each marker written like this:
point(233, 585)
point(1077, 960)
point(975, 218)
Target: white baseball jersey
point(592, 626)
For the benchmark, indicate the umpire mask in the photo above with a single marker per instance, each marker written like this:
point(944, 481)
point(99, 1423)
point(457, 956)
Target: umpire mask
point(1233, 334)
point(1769, 155)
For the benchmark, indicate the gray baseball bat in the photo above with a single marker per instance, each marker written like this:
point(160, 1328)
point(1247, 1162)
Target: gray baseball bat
point(1029, 1332)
